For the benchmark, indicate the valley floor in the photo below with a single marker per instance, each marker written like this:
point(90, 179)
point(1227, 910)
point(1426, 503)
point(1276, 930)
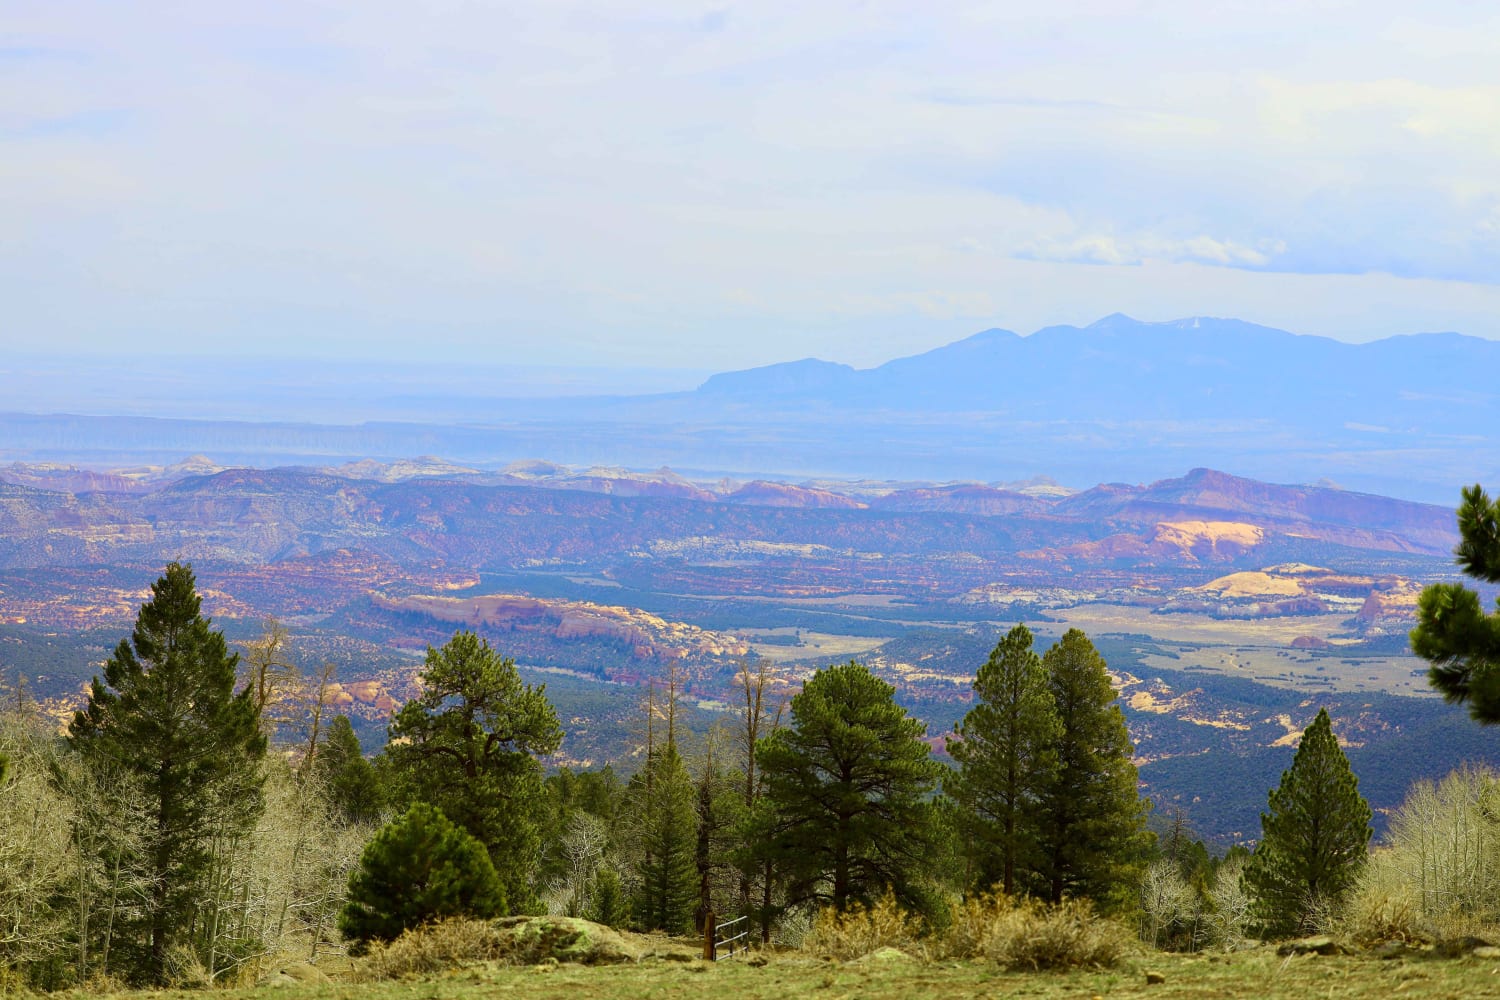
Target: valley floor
point(1259, 974)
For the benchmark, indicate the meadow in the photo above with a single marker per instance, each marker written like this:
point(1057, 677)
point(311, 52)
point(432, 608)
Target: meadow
point(1259, 973)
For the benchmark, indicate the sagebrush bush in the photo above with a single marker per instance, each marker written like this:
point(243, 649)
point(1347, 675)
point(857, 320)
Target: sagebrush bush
point(1380, 909)
point(1015, 933)
point(1026, 934)
point(860, 929)
point(435, 947)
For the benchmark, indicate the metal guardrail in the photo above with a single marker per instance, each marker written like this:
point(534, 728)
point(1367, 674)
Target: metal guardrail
point(730, 936)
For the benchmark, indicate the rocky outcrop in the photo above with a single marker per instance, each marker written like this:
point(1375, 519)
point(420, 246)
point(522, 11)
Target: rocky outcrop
point(647, 636)
point(769, 494)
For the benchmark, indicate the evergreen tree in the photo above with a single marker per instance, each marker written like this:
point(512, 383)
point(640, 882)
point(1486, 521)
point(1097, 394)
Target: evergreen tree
point(167, 715)
point(468, 744)
point(354, 789)
point(665, 809)
point(1314, 836)
point(848, 786)
point(1006, 754)
point(721, 814)
point(1453, 633)
point(607, 904)
point(419, 867)
point(1093, 818)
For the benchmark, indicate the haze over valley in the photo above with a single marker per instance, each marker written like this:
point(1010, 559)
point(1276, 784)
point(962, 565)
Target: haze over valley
point(1117, 400)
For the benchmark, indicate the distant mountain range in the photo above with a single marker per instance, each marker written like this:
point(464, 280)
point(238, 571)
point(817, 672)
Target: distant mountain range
point(1412, 416)
point(426, 515)
point(1192, 369)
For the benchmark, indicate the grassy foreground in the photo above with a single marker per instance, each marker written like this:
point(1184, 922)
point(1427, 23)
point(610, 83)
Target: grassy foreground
point(1260, 974)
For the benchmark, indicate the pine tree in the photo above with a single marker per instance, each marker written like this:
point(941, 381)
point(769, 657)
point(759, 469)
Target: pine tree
point(665, 809)
point(1314, 836)
point(721, 813)
point(354, 790)
point(1005, 749)
point(419, 867)
point(1093, 826)
point(848, 786)
point(1453, 633)
point(607, 903)
point(166, 713)
point(469, 743)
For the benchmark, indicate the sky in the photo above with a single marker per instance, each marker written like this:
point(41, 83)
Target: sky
point(707, 186)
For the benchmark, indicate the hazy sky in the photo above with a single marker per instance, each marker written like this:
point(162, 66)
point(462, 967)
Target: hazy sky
point(715, 185)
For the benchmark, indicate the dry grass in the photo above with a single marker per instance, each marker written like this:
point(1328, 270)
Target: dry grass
point(433, 948)
point(861, 930)
point(459, 942)
point(1259, 974)
point(1378, 912)
point(1025, 934)
point(1016, 934)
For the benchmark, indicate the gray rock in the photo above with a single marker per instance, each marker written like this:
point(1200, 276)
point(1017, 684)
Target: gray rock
point(1319, 945)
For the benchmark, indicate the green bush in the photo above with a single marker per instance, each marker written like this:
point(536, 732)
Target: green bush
point(420, 867)
point(609, 905)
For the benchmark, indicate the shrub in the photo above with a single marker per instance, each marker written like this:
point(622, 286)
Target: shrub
point(1061, 936)
point(436, 947)
point(1026, 934)
point(418, 868)
point(1381, 907)
point(1016, 933)
point(458, 941)
point(861, 929)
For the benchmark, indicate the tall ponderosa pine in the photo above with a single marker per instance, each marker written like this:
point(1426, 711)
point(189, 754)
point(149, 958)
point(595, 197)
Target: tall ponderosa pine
point(166, 713)
point(469, 743)
point(1005, 749)
point(848, 786)
point(1093, 818)
point(1453, 633)
point(1314, 836)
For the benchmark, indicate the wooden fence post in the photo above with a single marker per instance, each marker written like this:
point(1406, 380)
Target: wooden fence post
point(710, 932)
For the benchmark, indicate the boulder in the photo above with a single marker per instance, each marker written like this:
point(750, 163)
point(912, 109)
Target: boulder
point(1459, 946)
point(1393, 949)
point(1320, 945)
point(305, 972)
point(532, 940)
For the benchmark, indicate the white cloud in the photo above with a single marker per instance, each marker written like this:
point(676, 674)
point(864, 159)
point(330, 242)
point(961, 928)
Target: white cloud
point(1099, 248)
point(551, 180)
